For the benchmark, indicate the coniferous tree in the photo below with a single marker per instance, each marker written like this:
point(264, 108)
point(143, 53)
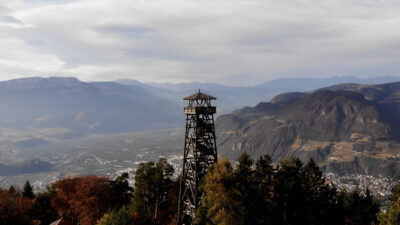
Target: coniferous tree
point(43, 211)
point(289, 193)
point(254, 186)
point(359, 208)
point(152, 188)
point(122, 190)
point(12, 190)
point(264, 206)
point(163, 187)
point(245, 183)
point(321, 198)
point(164, 196)
point(146, 179)
point(264, 168)
point(302, 196)
point(28, 190)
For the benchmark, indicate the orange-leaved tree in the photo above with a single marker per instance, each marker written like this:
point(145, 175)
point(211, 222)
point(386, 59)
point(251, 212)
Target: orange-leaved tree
point(14, 209)
point(84, 199)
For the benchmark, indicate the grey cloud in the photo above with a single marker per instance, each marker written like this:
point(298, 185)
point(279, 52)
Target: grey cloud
point(124, 30)
point(240, 42)
point(10, 19)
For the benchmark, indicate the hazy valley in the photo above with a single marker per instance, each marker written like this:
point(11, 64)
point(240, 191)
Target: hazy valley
point(103, 155)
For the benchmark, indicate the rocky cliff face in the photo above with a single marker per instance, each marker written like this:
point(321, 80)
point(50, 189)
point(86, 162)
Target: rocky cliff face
point(345, 128)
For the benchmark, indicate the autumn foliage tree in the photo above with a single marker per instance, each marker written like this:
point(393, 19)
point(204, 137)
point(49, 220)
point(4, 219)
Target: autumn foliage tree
point(392, 215)
point(221, 204)
point(84, 199)
point(122, 216)
point(14, 208)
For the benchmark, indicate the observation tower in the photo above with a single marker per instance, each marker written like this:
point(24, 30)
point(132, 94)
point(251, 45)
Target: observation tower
point(199, 153)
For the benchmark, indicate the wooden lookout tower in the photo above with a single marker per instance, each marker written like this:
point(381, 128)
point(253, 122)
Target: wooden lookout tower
point(199, 153)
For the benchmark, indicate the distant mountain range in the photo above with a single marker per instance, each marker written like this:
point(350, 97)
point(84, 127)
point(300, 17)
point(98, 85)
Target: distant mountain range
point(232, 98)
point(128, 105)
point(346, 128)
point(95, 107)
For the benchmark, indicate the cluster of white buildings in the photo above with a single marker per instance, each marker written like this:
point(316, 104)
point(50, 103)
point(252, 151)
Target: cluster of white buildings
point(380, 187)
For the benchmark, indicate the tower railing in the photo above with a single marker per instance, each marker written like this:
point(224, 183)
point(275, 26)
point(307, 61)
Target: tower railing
point(200, 110)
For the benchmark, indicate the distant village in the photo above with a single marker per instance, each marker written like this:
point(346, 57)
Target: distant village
point(380, 187)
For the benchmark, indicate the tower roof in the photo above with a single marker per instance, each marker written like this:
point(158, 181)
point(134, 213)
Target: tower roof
point(199, 96)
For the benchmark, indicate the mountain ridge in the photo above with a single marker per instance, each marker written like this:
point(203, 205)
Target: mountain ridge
point(342, 128)
point(103, 107)
point(230, 98)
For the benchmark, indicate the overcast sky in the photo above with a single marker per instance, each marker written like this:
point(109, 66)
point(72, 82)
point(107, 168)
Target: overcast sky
point(227, 41)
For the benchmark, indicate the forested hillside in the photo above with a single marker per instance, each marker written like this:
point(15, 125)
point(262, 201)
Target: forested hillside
point(249, 192)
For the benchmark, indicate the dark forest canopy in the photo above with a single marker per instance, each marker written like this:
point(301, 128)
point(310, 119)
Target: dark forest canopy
point(247, 192)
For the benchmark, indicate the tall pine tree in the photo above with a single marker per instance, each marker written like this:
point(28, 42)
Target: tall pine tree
point(321, 198)
point(246, 185)
point(28, 190)
point(152, 187)
point(289, 193)
point(359, 208)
